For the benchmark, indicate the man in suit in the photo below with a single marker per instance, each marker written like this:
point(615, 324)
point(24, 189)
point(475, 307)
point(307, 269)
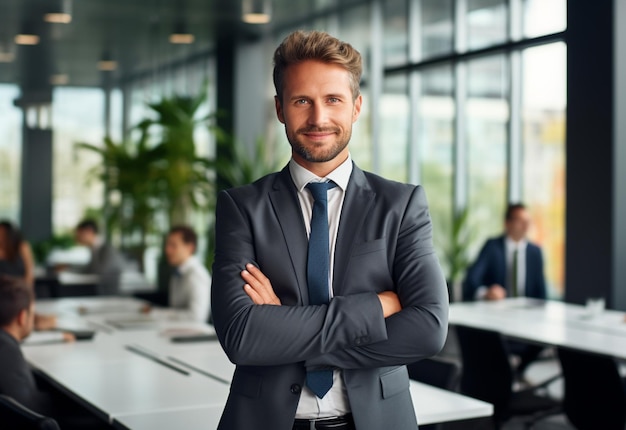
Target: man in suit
point(496, 274)
point(509, 266)
point(321, 337)
point(105, 261)
point(16, 323)
point(189, 287)
point(17, 313)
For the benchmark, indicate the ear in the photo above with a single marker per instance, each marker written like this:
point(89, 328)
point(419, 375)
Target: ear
point(279, 109)
point(22, 318)
point(357, 108)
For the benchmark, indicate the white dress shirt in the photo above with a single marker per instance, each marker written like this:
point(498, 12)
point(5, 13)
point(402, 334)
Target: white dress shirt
point(511, 246)
point(335, 402)
point(190, 290)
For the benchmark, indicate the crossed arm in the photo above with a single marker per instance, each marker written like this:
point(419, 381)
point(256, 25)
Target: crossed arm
point(259, 288)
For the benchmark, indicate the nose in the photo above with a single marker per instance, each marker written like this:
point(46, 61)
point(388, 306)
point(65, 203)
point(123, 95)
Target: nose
point(317, 115)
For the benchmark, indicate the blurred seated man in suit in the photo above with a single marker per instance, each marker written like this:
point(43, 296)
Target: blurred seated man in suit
point(106, 261)
point(189, 287)
point(17, 316)
point(17, 380)
point(509, 266)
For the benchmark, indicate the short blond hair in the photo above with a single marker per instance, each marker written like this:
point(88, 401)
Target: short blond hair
point(301, 46)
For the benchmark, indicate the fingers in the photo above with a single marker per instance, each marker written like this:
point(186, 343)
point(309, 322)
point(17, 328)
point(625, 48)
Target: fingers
point(258, 286)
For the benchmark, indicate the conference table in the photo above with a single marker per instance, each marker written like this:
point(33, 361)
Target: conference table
point(157, 371)
point(547, 322)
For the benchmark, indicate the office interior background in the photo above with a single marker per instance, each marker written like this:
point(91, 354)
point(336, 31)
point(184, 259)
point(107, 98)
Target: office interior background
point(481, 101)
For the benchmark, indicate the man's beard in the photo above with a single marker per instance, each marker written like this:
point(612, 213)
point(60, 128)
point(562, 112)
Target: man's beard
point(314, 156)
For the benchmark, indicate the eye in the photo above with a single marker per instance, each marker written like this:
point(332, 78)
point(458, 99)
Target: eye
point(301, 101)
point(333, 100)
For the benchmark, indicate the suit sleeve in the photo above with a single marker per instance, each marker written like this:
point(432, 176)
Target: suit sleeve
point(272, 335)
point(419, 330)
point(476, 274)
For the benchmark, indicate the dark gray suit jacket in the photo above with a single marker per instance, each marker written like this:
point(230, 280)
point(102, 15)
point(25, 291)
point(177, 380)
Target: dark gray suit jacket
point(107, 263)
point(16, 377)
point(383, 243)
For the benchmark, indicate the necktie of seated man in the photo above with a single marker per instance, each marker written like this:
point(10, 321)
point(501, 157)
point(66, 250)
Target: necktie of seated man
point(318, 267)
point(514, 285)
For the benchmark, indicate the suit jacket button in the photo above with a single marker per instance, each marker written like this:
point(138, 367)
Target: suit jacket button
point(296, 389)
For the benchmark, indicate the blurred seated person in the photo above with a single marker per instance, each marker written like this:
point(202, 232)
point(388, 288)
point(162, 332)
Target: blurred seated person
point(16, 377)
point(190, 282)
point(105, 261)
point(16, 257)
point(509, 266)
point(17, 319)
point(16, 261)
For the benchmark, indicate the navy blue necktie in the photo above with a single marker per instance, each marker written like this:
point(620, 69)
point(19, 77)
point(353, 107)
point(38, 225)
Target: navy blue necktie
point(318, 269)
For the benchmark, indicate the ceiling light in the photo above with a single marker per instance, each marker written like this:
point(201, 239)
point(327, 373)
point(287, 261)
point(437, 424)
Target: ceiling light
point(180, 35)
point(60, 12)
point(107, 65)
point(256, 11)
point(59, 79)
point(26, 39)
point(58, 18)
point(182, 38)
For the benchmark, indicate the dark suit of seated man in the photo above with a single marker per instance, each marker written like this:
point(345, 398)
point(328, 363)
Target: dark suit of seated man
point(16, 377)
point(509, 266)
point(16, 322)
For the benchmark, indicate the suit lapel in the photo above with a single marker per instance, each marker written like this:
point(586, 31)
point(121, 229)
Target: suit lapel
point(289, 214)
point(356, 205)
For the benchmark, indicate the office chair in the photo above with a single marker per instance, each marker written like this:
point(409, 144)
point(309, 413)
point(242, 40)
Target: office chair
point(594, 395)
point(14, 415)
point(487, 375)
point(436, 372)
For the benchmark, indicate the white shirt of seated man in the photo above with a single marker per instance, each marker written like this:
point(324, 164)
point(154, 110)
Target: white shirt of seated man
point(190, 284)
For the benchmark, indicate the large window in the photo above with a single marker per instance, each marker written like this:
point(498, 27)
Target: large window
point(487, 115)
point(543, 138)
point(76, 191)
point(10, 153)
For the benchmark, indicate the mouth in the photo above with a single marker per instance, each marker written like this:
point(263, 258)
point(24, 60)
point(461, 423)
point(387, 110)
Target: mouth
point(318, 134)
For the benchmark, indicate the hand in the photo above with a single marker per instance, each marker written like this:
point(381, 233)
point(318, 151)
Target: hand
point(258, 287)
point(68, 337)
point(495, 292)
point(390, 303)
point(45, 322)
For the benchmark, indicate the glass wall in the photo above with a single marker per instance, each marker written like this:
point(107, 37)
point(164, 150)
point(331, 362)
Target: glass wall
point(486, 119)
point(543, 139)
point(10, 153)
point(434, 123)
point(76, 189)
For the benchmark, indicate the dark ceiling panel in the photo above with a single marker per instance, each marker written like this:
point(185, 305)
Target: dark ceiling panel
point(133, 32)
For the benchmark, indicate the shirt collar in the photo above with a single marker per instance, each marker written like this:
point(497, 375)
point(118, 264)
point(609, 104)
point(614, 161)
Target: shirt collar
point(302, 176)
point(186, 265)
point(511, 244)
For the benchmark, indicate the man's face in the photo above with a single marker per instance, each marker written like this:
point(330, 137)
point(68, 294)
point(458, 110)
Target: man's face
point(517, 226)
point(318, 111)
point(85, 237)
point(176, 250)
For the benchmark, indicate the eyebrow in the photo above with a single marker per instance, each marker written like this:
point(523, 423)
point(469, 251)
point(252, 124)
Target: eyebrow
point(327, 96)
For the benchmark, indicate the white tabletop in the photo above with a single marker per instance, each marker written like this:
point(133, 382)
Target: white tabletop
point(141, 392)
point(547, 322)
point(432, 405)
